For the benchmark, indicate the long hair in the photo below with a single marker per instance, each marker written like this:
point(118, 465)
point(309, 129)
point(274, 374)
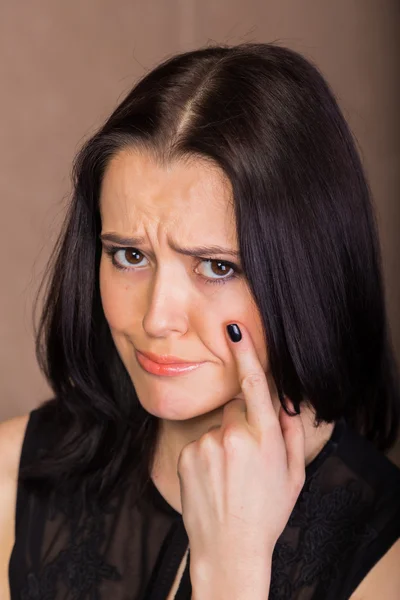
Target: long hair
point(307, 239)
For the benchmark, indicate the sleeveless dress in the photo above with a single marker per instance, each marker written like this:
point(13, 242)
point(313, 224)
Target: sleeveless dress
point(346, 518)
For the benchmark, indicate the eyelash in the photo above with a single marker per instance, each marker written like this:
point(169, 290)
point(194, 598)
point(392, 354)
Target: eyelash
point(112, 251)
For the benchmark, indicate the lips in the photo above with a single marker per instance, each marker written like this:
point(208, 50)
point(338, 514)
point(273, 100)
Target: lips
point(167, 359)
point(167, 369)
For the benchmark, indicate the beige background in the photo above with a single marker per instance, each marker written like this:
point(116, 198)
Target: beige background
point(65, 64)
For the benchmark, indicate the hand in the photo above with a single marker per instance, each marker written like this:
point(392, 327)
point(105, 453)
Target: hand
point(240, 481)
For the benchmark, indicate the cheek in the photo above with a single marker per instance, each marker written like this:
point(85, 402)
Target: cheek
point(250, 317)
point(238, 306)
point(115, 299)
point(122, 306)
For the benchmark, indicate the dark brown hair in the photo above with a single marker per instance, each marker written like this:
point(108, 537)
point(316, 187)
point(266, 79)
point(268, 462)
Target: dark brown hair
point(308, 243)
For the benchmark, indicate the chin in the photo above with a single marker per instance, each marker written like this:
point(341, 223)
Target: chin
point(176, 412)
point(181, 398)
point(174, 406)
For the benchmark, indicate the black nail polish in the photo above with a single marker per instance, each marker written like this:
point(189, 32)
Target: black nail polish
point(234, 333)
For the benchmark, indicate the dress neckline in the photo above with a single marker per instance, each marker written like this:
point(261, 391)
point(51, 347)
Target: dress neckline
point(311, 468)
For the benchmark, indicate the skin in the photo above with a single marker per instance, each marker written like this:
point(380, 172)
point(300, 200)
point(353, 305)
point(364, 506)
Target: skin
point(239, 484)
point(189, 202)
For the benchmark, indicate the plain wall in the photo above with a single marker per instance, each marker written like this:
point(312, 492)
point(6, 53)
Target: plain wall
point(65, 65)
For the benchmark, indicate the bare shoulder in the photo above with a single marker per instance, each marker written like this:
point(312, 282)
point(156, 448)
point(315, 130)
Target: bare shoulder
point(12, 434)
point(383, 581)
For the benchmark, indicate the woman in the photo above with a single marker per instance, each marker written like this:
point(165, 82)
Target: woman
point(223, 196)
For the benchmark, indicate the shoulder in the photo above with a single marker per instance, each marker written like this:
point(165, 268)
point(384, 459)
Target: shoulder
point(12, 435)
point(379, 481)
point(383, 581)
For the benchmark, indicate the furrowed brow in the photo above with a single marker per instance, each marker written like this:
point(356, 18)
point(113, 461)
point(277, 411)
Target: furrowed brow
point(198, 251)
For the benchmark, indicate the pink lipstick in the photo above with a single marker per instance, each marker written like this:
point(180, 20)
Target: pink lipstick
point(166, 368)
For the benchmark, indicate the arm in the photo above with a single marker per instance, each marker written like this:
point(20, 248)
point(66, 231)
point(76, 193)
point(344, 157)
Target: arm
point(242, 581)
point(11, 438)
point(383, 581)
point(239, 483)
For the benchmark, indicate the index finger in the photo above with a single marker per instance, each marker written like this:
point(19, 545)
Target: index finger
point(253, 381)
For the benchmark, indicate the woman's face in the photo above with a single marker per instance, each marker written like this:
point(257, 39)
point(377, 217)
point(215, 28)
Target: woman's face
point(158, 300)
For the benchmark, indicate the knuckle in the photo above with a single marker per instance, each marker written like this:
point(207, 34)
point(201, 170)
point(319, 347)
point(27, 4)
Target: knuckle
point(252, 380)
point(207, 442)
point(232, 439)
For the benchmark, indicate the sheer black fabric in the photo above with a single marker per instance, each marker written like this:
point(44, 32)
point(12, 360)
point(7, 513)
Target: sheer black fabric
point(346, 518)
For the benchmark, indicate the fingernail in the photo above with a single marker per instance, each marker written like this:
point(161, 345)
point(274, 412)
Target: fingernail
point(234, 332)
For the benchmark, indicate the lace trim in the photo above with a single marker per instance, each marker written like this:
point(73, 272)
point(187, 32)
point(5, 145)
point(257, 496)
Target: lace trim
point(329, 527)
point(323, 532)
point(81, 567)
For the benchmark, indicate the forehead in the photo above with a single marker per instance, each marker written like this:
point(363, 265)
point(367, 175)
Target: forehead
point(139, 194)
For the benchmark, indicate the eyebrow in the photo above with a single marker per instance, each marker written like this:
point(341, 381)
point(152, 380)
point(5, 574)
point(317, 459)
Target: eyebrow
point(198, 251)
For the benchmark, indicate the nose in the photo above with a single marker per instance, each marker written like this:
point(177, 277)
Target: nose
point(168, 301)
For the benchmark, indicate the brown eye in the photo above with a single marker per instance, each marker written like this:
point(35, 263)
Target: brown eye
point(124, 258)
point(216, 270)
point(132, 256)
point(219, 268)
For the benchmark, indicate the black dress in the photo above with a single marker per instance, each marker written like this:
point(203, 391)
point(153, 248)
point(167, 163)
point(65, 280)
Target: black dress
point(346, 518)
